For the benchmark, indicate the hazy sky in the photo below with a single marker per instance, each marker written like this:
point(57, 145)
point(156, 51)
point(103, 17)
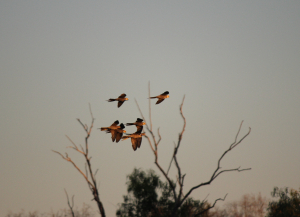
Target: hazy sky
point(233, 60)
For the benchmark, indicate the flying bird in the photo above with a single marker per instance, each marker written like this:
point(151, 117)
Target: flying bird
point(118, 133)
point(139, 124)
point(161, 97)
point(121, 99)
point(114, 129)
point(136, 139)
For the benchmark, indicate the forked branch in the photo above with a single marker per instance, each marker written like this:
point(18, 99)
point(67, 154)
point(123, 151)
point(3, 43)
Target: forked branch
point(89, 175)
point(179, 197)
point(69, 204)
point(217, 171)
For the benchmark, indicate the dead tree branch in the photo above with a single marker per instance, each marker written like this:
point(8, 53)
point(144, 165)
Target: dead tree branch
point(89, 176)
point(217, 172)
point(179, 196)
point(70, 206)
point(210, 207)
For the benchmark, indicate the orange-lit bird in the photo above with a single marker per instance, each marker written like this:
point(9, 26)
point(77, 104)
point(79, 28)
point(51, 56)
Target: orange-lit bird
point(121, 99)
point(115, 130)
point(117, 134)
point(139, 124)
point(136, 139)
point(161, 97)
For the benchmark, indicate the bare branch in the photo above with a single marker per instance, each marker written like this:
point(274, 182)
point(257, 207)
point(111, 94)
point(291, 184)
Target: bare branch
point(79, 170)
point(216, 173)
point(70, 206)
point(149, 106)
point(151, 146)
point(180, 135)
point(92, 184)
point(96, 172)
point(180, 197)
point(84, 126)
point(147, 127)
point(71, 141)
point(172, 158)
point(184, 124)
point(210, 207)
point(159, 136)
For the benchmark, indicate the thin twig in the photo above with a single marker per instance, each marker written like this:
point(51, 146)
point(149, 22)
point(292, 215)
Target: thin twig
point(149, 106)
point(70, 206)
point(210, 207)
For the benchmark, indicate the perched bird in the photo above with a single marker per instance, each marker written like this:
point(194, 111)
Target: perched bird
point(161, 97)
point(139, 124)
point(136, 139)
point(113, 129)
point(121, 99)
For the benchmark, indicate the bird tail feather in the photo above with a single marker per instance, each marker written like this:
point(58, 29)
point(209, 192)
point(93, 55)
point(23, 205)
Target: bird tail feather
point(125, 137)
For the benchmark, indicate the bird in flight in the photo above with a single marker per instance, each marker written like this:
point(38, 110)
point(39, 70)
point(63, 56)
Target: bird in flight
point(117, 134)
point(121, 99)
point(161, 97)
point(136, 139)
point(139, 124)
point(115, 130)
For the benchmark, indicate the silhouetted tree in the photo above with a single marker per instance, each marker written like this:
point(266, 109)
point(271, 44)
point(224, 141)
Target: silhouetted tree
point(288, 204)
point(179, 197)
point(175, 199)
point(149, 196)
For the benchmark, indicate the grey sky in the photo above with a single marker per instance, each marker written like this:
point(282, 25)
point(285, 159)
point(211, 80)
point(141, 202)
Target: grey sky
point(234, 61)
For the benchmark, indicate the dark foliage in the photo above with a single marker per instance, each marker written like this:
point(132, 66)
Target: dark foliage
point(149, 196)
point(288, 204)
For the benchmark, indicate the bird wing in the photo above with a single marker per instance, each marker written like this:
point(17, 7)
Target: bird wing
point(120, 103)
point(118, 137)
point(113, 135)
point(134, 143)
point(159, 101)
point(139, 120)
point(122, 95)
point(115, 123)
point(139, 142)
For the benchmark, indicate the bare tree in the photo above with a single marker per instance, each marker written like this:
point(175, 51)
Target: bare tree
point(179, 196)
point(89, 176)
